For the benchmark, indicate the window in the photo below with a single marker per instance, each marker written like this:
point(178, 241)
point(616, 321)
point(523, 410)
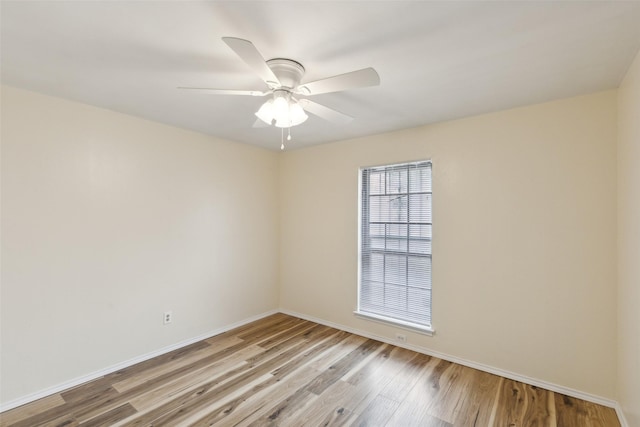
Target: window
point(395, 244)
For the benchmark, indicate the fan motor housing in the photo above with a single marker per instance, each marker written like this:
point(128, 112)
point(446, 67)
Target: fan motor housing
point(288, 72)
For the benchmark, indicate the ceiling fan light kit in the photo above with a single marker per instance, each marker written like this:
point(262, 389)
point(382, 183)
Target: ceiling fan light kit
point(283, 76)
point(284, 109)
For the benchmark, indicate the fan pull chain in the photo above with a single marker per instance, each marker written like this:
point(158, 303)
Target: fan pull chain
point(289, 136)
point(282, 138)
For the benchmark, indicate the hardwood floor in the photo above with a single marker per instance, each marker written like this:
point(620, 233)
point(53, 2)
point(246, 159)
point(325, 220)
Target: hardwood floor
point(290, 372)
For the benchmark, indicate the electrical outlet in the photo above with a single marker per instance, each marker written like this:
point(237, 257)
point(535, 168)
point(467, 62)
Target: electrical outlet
point(168, 317)
point(401, 337)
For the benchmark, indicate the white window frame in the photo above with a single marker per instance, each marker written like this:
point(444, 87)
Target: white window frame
point(426, 329)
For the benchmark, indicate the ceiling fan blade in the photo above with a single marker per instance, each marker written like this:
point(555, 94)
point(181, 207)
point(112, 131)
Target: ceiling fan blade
point(259, 124)
point(252, 57)
point(355, 79)
point(212, 91)
point(323, 112)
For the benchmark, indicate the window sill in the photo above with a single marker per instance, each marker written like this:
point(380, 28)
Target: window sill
point(397, 323)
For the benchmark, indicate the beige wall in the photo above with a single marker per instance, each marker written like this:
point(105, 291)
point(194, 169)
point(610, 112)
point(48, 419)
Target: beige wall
point(524, 269)
point(109, 220)
point(629, 244)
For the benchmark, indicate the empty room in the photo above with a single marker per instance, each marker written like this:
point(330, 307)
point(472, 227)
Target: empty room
point(320, 213)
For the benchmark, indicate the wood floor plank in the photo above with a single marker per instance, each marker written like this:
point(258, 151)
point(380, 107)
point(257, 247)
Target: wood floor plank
point(92, 409)
point(553, 416)
point(97, 387)
point(278, 413)
point(608, 416)
point(153, 372)
point(175, 410)
point(138, 368)
point(445, 396)
point(110, 417)
point(377, 413)
point(155, 397)
point(300, 340)
point(273, 322)
point(374, 378)
point(334, 418)
point(496, 403)
point(409, 419)
point(400, 386)
point(317, 361)
point(387, 360)
point(341, 349)
point(286, 408)
point(340, 404)
point(203, 414)
point(326, 340)
point(522, 403)
point(259, 332)
point(194, 399)
point(572, 412)
point(327, 407)
point(343, 366)
point(65, 420)
point(286, 371)
point(246, 409)
point(34, 408)
point(475, 408)
point(430, 387)
point(49, 416)
point(275, 340)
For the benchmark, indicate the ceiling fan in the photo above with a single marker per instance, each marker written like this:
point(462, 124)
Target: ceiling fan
point(283, 79)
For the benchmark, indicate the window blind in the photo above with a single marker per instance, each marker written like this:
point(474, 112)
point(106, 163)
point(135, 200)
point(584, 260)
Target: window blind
point(395, 253)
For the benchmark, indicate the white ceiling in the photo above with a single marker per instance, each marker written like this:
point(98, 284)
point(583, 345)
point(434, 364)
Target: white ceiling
point(437, 60)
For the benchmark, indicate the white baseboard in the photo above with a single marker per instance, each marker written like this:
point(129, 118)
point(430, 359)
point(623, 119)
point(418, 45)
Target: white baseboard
point(481, 367)
point(5, 406)
point(621, 417)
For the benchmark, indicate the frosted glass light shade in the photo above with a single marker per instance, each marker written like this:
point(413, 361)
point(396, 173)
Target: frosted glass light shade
point(280, 107)
point(297, 114)
point(282, 123)
point(265, 113)
point(285, 110)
